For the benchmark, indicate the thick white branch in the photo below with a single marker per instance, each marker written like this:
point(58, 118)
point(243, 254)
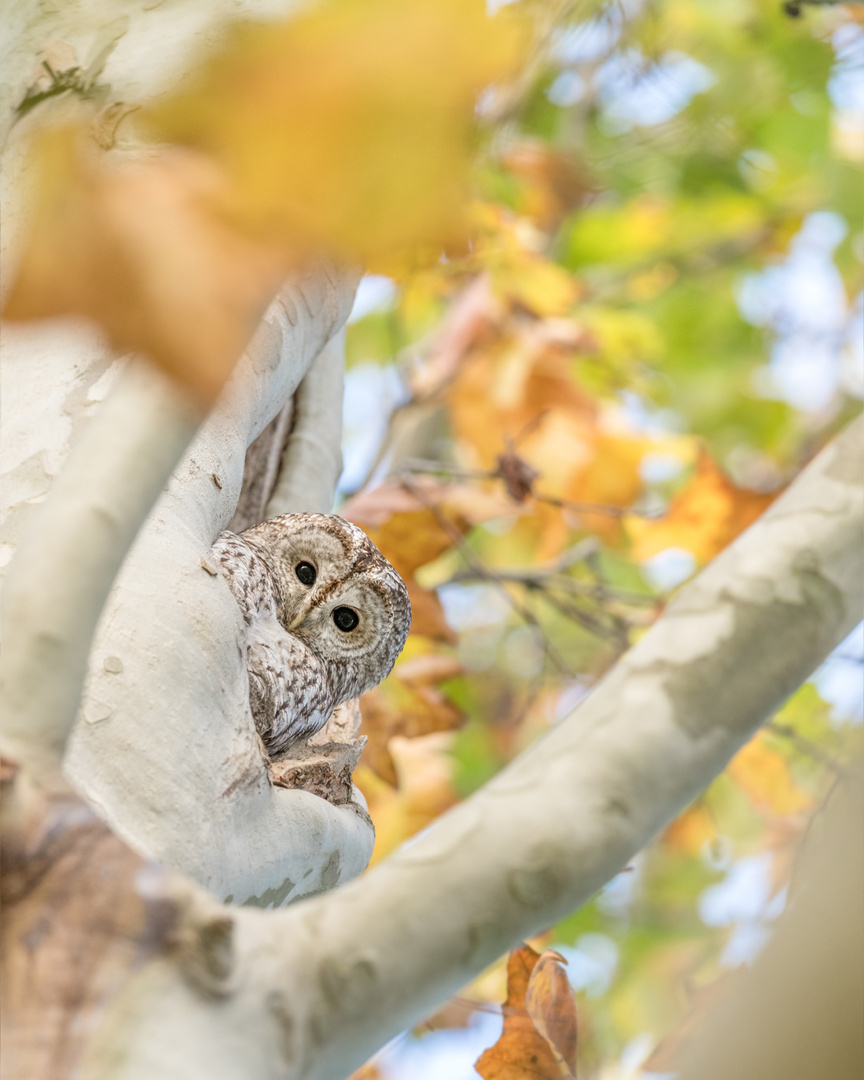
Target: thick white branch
point(166, 745)
point(312, 461)
point(312, 991)
point(70, 555)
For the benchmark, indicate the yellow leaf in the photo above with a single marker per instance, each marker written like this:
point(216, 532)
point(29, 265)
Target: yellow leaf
point(339, 131)
point(350, 126)
point(703, 518)
point(136, 246)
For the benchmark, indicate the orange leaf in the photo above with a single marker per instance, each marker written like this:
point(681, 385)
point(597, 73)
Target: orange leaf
point(368, 1071)
point(138, 248)
point(704, 518)
point(423, 767)
point(410, 704)
point(407, 527)
point(691, 830)
point(763, 775)
point(413, 526)
point(522, 1052)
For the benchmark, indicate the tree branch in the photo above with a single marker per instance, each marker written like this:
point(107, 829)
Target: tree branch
point(70, 555)
point(167, 748)
point(312, 460)
point(314, 990)
point(798, 1013)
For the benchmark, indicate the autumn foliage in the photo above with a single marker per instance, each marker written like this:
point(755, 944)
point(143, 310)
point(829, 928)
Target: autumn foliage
point(581, 393)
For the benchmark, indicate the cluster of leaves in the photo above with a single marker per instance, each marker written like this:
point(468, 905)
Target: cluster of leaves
point(582, 396)
point(290, 143)
point(581, 389)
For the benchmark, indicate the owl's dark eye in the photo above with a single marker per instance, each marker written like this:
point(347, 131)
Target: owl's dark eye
point(306, 572)
point(345, 619)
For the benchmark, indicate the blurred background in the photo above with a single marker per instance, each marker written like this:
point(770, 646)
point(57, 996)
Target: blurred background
point(659, 321)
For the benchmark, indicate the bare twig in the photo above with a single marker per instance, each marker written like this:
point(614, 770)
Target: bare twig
point(436, 468)
point(807, 746)
point(485, 574)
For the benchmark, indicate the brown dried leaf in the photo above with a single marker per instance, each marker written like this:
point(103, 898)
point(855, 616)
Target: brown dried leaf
point(522, 1052)
point(551, 1004)
point(408, 704)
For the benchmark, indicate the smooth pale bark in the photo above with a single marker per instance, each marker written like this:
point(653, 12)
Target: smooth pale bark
point(166, 746)
point(312, 461)
point(313, 991)
point(70, 555)
point(799, 1013)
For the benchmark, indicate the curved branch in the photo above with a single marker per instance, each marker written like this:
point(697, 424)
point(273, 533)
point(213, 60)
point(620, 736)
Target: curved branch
point(166, 746)
point(329, 981)
point(312, 460)
point(70, 555)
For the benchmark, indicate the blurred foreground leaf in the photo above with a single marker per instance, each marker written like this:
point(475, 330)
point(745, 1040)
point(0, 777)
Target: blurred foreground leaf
point(349, 127)
point(345, 132)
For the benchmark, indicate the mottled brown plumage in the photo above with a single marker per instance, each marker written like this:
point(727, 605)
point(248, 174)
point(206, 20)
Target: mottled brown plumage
point(326, 616)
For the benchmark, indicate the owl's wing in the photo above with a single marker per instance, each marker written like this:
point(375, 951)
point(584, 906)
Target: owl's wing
point(289, 691)
point(249, 577)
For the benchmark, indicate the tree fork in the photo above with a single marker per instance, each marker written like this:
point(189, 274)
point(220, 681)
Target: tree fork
point(314, 990)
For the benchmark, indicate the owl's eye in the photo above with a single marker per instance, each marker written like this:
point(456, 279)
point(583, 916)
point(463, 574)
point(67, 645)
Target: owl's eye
point(306, 573)
point(345, 619)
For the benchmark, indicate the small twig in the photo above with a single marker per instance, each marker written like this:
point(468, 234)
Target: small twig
point(480, 568)
point(618, 631)
point(436, 468)
point(593, 508)
point(808, 747)
point(552, 579)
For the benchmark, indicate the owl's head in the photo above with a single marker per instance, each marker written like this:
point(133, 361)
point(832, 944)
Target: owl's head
point(338, 594)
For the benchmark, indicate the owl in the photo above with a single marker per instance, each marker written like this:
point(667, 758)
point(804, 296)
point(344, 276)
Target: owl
point(326, 616)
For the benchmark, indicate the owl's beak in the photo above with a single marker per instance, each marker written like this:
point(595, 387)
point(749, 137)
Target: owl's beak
point(299, 617)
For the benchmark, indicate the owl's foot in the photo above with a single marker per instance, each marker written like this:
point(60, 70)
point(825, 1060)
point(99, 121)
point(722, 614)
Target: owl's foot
point(324, 770)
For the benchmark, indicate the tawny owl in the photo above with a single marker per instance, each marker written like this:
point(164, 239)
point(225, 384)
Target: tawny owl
point(326, 616)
